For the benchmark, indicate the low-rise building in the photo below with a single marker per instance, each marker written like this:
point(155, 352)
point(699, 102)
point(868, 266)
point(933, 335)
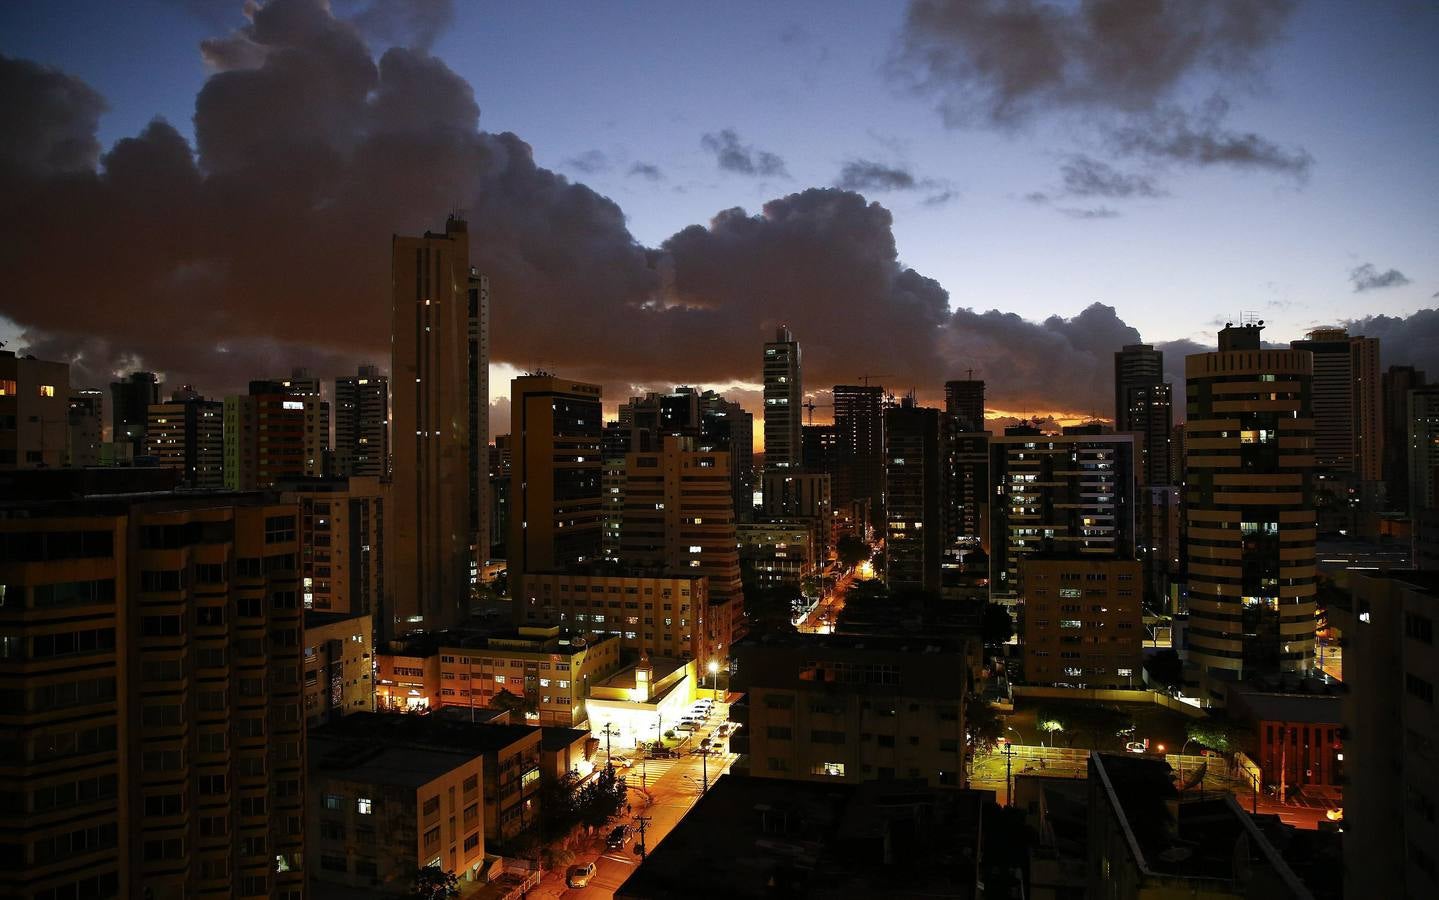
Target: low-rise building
point(778, 552)
point(339, 663)
point(1297, 729)
point(642, 702)
point(379, 810)
point(850, 708)
point(1083, 621)
point(650, 613)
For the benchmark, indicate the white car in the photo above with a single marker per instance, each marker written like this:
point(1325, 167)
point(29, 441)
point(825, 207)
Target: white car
point(580, 875)
point(620, 762)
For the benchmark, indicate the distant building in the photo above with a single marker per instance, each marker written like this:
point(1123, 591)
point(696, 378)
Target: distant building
point(342, 542)
point(130, 402)
point(1423, 427)
point(34, 412)
point(1143, 842)
point(965, 469)
point(964, 402)
point(431, 521)
point(1297, 730)
point(151, 659)
point(362, 423)
point(1135, 366)
point(783, 395)
point(1395, 386)
point(859, 428)
point(339, 665)
point(1083, 622)
point(914, 485)
point(87, 423)
point(650, 612)
point(777, 552)
point(1391, 670)
point(852, 708)
point(188, 434)
point(271, 435)
point(1250, 504)
point(802, 495)
point(1346, 400)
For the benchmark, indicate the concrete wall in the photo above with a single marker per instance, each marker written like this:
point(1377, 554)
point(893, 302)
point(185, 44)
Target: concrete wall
point(1107, 696)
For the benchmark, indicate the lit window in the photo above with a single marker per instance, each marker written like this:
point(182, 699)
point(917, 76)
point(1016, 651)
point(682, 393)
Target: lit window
point(363, 806)
point(47, 390)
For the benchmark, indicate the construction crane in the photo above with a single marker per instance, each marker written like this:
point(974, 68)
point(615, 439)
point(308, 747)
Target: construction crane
point(810, 405)
point(865, 379)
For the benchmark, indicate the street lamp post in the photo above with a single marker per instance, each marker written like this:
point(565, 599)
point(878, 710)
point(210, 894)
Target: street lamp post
point(714, 678)
point(1008, 761)
point(609, 731)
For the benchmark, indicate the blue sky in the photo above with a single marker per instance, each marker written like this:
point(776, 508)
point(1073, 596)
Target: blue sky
point(1353, 84)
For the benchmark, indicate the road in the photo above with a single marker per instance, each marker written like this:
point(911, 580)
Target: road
point(821, 619)
point(673, 787)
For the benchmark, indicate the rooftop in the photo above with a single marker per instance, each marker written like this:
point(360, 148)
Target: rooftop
point(422, 731)
point(374, 763)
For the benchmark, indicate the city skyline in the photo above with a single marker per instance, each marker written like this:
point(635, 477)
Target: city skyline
point(633, 265)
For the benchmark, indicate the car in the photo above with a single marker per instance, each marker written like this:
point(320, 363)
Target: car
point(1135, 747)
point(618, 837)
point(620, 762)
point(579, 875)
point(685, 726)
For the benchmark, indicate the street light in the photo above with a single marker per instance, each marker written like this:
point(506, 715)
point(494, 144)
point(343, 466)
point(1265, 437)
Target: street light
point(1016, 731)
point(714, 678)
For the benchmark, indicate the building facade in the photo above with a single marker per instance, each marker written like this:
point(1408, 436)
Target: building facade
point(1346, 398)
point(362, 423)
point(914, 487)
point(1249, 470)
point(659, 615)
point(859, 428)
point(783, 395)
point(778, 552)
point(1083, 622)
point(342, 543)
point(271, 435)
point(964, 401)
point(34, 412)
point(130, 402)
point(1423, 427)
point(189, 435)
point(339, 665)
point(87, 422)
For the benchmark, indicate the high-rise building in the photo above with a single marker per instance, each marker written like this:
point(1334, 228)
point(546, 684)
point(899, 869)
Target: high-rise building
point(802, 495)
point(783, 395)
point(964, 401)
point(302, 383)
point(150, 661)
point(500, 496)
point(1423, 427)
point(914, 529)
point(342, 543)
point(727, 426)
point(964, 462)
point(1070, 495)
point(188, 434)
point(270, 435)
point(859, 427)
point(1151, 419)
point(717, 424)
point(87, 425)
point(1391, 672)
point(362, 423)
point(1249, 503)
point(130, 408)
point(481, 524)
point(678, 517)
point(431, 524)
point(1137, 365)
point(1346, 397)
point(1397, 383)
point(1083, 622)
point(556, 508)
point(34, 412)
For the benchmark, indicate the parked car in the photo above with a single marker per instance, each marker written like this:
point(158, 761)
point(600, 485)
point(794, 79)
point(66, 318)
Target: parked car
point(618, 837)
point(579, 876)
point(1135, 747)
point(685, 726)
point(620, 762)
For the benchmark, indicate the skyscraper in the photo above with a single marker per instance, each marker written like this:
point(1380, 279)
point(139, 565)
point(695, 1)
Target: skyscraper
point(964, 400)
point(431, 522)
point(1249, 480)
point(914, 532)
point(270, 434)
point(1423, 417)
point(187, 433)
point(362, 423)
point(783, 395)
point(1137, 365)
point(556, 510)
point(859, 427)
point(479, 376)
point(1397, 383)
point(1151, 418)
point(1347, 402)
point(130, 408)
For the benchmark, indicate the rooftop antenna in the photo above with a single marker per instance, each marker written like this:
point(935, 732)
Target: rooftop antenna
point(865, 379)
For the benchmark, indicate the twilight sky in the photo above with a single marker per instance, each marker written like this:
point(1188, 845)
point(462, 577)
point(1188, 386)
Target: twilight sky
point(924, 187)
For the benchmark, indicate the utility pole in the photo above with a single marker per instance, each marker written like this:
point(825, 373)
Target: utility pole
point(643, 820)
point(609, 731)
point(1008, 762)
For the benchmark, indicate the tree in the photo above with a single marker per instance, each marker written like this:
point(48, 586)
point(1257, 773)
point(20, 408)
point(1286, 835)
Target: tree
point(1095, 720)
point(851, 550)
point(996, 627)
point(982, 725)
point(434, 883)
point(602, 798)
point(1222, 735)
point(1166, 668)
point(514, 702)
point(770, 610)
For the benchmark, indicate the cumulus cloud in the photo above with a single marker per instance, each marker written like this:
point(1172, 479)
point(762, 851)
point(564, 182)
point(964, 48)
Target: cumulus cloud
point(1368, 278)
point(1404, 340)
point(868, 175)
point(405, 23)
point(49, 119)
point(1200, 138)
point(742, 159)
point(1087, 177)
point(648, 171)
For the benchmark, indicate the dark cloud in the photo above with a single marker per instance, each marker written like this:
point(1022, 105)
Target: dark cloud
point(1003, 61)
point(742, 159)
point(405, 23)
point(645, 170)
point(940, 199)
point(1087, 177)
point(1368, 278)
point(1098, 212)
point(1404, 340)
point(49, 119)
point(1200, 138)
point(868, 175)
point(590, 162)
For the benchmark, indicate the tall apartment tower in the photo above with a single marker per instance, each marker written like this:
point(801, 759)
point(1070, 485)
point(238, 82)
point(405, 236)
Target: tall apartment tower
point(87, 420)
point(1249, 503)
point(914, 532)
point(1135, 366)
point(964, 400)
point(152, 669)
point(1347, 398)
point(479, 372)
point(34, 412)
point(342, 542)
point(1396, 385)
point(727, 426)
point(556, 509)
point(430, 518)
point(859, 427)
point(1423, 427)
point(130, 408)
point(187, 433)
point(271, 435)
point(783, 395)
point(362, 423)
